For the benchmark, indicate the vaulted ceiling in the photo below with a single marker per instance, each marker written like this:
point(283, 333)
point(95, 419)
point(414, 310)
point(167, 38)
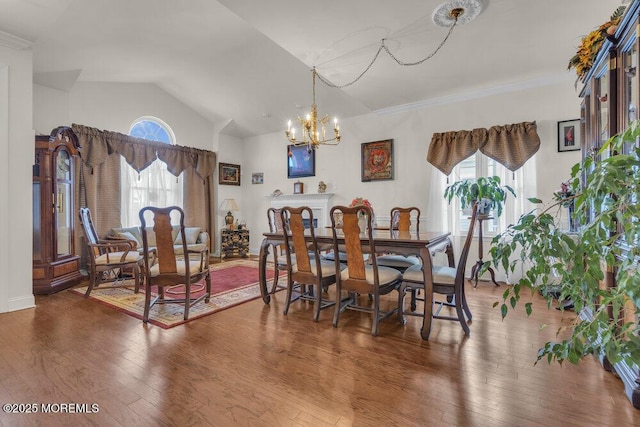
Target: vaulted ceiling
point(246, 63)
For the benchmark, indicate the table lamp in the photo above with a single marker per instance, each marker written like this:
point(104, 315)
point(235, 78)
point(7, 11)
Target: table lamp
point(229, 205)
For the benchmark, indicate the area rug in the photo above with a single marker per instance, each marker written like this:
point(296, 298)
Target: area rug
point(232, 283)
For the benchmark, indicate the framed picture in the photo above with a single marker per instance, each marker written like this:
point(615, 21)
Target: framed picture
point(301, 161)
point(257, 178)
point(377, 160)
point(298, 188)
point(229, 174)
point(569, 135)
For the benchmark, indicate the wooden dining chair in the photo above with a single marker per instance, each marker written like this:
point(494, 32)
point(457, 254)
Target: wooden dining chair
point(447, 280)
point(307, 272)
point(169, 269)
point(402, 219)
point(361, 276)
point(113, 262)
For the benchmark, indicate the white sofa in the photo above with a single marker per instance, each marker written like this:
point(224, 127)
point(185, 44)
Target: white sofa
point(197, 239)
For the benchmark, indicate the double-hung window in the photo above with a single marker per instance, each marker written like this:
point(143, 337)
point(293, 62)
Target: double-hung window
point(523, 182)
point(477, 166)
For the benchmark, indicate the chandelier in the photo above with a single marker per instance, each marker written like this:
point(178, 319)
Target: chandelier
point(314, 129)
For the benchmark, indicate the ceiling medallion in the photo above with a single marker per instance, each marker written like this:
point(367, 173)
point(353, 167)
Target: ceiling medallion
point(446, 14)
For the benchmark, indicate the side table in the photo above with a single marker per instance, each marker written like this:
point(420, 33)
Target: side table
point(476, 268)
point(234, 243)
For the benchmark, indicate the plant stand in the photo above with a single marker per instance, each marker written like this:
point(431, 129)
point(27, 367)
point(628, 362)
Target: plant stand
point(475, 271)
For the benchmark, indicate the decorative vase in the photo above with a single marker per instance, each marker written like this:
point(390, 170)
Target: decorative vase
point(228, 220)
point(362, 223)
point(484, 207)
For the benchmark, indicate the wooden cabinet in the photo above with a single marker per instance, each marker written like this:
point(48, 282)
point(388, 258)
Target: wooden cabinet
point(611, 98)
point(234, 243)
point(55, 265)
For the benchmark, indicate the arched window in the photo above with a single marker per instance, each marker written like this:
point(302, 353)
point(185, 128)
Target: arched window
point(153, 129)
point(154, 186)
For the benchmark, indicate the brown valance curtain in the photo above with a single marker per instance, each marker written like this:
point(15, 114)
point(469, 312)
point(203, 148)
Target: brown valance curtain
point(96, 145)
point(99, 188)
point(509, 145)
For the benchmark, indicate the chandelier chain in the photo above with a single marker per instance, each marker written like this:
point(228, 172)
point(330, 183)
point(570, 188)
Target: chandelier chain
point(314, 128)
point(384, 47)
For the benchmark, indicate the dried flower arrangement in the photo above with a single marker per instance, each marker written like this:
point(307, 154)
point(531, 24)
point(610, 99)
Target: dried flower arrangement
point(582, 61)
point(359, 201)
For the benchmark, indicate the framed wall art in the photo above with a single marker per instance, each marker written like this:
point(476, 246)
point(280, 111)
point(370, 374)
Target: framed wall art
point(377, 160)
point(569, 135)
point(301, 161)
point(257, 178)
point(229, 174)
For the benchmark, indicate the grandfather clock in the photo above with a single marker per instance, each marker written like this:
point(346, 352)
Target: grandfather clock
point(55, 265)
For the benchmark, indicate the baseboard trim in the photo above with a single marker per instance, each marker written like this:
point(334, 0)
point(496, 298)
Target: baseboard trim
point(21, 303)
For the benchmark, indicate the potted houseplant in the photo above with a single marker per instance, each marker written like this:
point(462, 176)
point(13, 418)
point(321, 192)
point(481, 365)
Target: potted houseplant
point(486, 190)
point(607, 213)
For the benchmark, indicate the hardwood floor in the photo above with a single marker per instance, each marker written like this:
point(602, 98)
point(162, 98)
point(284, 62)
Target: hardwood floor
point(251, 365)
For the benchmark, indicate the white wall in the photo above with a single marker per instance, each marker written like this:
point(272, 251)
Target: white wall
point(230, 150)
point(16, 160)
point(50, 109)
point(114, 107)
point(411, 131)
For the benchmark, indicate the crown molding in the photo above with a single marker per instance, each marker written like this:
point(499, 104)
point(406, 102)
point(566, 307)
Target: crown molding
point(480, 93)
point(14, 42)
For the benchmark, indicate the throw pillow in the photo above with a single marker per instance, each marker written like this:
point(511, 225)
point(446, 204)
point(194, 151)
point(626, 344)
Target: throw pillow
point(191, 235)
point(128, 236)
point(135, 232)
point(151, 237)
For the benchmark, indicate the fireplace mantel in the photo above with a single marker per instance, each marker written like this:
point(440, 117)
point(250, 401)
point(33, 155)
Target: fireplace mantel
point(318, 202)
point(299, 197)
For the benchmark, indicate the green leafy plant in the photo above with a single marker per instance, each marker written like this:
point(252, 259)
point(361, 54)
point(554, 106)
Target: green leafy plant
point(607, 210)
point(468, 191)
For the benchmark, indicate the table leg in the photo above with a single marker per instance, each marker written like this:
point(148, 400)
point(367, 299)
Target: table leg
point(276, 270)
point(428, 293)
point(262, 271)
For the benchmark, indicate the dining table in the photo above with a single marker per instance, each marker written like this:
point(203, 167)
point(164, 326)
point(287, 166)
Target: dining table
point(385, 241)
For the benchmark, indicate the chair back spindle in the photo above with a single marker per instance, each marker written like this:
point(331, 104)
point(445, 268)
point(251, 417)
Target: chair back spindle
point(464, 254)
point(293, 217)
